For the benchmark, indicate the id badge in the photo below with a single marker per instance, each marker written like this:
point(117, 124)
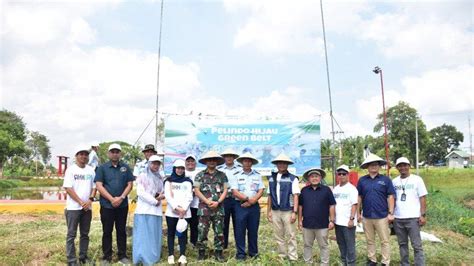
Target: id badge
point(403, 197)
point(218, 188)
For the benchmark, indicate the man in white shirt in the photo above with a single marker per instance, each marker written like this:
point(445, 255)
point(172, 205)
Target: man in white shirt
point(410, 211)
point(80, 187)
point(93, 158)
point(346, 196)
point(282, 207)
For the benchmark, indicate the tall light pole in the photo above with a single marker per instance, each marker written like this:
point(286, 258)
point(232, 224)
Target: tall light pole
point(377, 70)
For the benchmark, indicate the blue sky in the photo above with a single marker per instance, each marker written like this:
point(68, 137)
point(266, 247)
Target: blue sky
point(88, 69)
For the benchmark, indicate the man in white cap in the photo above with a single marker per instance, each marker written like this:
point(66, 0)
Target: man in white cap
point(376, 201)
point(282, 206)
point(316, 215)
point(114, 181)
point(247, 188)
point(210, 185)
point(80, 188)
point(191, 172)
point(141, 166)
point(93, 158)
point(230, 168)
point(410, 211)
point(346, 196)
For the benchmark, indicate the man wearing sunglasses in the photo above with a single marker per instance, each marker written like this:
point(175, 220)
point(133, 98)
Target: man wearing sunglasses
point(346, 196)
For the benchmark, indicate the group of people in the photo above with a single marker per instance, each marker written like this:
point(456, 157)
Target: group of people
point(229, 189)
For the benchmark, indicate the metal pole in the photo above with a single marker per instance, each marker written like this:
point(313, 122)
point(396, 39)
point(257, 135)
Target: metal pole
point(385, 124)
point(416, 132)
point(158, 78)
point(330, 99)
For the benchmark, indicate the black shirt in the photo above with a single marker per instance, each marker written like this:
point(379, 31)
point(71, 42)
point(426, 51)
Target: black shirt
point(316, 203)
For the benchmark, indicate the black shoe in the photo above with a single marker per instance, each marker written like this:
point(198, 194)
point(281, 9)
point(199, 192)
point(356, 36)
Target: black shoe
point(371, 263)
point(86, 261)
point(219, 256)
point(202, 254)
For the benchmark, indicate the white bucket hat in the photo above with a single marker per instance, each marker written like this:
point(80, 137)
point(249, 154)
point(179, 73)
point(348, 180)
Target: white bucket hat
point(247, 155)
point(179, 163)
point(343, 167)
point(82, 148)
point(371, 159)
point(282, 158)
point(211, 155)
point(230, 152)
point(115, 146)
point(155, 158)
point(402, 160)
point(320, 171)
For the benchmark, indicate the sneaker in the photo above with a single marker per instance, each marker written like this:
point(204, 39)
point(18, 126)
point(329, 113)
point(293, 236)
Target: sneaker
point(124, 261)
point(171, 259)
point(182, 260)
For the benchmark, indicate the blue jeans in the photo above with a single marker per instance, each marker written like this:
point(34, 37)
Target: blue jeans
point(346, 241)
point(247, 222)
point(229, 209)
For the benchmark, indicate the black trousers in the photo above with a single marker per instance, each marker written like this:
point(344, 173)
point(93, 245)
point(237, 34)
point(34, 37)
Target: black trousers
point(193, 226)
point(109, 218)
point(171, 223)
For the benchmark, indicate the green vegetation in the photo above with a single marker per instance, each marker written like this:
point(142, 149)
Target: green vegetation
point(30, 182)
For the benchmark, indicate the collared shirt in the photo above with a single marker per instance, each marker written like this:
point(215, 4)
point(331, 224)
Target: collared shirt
point(247, 183)
point(93, 159)
point(316, 204)
point(374, 193)
point(115, 180)
point(230, 172)
point(140, 167)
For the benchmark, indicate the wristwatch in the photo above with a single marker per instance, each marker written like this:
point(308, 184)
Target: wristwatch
point(390, 212)
point(91, 198)
point(123, 197)
point(352, 218)
point(423, 214)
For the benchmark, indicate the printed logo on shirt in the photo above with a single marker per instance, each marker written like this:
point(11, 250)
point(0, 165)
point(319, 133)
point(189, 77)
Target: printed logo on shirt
point(381, 182)
point(341, 196)
point(123, 169)
point(82, 177)
point(407, 187)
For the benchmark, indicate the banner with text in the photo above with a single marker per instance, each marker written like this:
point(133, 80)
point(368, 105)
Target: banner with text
point(265, 139)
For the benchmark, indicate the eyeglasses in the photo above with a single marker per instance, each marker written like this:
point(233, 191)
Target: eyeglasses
point(342, 174)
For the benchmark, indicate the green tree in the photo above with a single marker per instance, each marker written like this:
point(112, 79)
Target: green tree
point(12, 137)
point(401, 128)
point(37, 143)
point(444, 139)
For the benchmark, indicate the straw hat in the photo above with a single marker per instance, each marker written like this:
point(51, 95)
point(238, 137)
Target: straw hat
point(282, 158)
point(211, 155)
point(372, 158)
point(320, 171)
point(230, 152)
point(343, 167)
point(402, 160)
point(247, 155)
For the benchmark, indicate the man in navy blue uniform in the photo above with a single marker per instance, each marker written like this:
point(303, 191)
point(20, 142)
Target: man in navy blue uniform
point(376, 200)
point(247, 189)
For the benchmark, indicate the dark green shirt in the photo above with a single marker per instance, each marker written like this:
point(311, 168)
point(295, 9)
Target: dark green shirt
point(115, 180)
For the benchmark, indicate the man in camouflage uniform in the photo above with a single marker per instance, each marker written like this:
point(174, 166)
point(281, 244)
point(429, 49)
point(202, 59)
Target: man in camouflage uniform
point(210, 185)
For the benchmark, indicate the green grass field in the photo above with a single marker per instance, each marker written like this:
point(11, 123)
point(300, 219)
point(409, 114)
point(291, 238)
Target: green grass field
point(40, 238)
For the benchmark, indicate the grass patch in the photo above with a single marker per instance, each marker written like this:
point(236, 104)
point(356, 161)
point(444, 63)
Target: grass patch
point(14, 183)
point(40, 239)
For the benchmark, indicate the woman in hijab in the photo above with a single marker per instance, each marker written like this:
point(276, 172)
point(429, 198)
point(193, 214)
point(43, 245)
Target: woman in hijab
point(179, 195)
point(147, 224)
